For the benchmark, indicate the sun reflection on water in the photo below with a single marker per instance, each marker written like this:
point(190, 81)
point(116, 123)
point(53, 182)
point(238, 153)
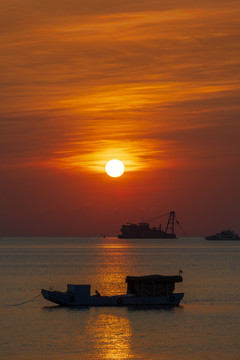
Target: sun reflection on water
point(114, 266)
point(111, 337)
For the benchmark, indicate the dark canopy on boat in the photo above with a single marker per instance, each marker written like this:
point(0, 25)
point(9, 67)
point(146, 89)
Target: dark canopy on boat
point(156, 278)
point(152, 285)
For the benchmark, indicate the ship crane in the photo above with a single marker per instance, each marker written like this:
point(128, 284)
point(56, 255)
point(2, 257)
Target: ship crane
point(170, 223)
point(172, 220)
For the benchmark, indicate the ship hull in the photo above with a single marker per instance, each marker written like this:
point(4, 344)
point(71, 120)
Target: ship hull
point(67, 299)
point(147, 236)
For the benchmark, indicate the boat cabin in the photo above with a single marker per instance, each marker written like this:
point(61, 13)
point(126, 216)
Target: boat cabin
point(80, 290)
point(151, 285)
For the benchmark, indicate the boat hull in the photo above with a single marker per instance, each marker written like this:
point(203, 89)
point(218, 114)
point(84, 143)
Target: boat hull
point(70, 299)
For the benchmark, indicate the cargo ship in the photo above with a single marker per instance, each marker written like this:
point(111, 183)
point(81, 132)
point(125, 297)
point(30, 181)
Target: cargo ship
point(143, 230)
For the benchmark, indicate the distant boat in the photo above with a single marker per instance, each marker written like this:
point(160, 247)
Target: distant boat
point(224, 235)
point(143, 230)
point(151, 290)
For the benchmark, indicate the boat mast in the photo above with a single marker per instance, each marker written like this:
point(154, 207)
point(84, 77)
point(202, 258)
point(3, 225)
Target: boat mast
point(170, 223)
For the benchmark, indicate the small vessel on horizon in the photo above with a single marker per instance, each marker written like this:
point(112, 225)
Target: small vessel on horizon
point(143, 230)
point(224, 235)
point(150, 290)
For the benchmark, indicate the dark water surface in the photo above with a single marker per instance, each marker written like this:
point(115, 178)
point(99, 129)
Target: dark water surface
point(206, 325)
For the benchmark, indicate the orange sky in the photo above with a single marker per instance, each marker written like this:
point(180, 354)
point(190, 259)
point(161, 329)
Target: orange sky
point(153, 83)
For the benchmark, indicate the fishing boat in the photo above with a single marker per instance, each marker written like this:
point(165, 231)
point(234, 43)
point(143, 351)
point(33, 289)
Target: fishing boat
point(150, 290)
point(143, 230)
point(224, 235)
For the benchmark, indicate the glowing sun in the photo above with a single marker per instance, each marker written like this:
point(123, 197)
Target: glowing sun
point(114, 168)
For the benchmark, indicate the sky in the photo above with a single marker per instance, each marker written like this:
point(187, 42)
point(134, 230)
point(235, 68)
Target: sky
point(153, 83)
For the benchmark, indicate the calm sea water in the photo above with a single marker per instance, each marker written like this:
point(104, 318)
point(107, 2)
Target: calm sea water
point(206, 325)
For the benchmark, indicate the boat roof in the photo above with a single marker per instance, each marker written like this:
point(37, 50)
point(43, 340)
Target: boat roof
point(155, 278)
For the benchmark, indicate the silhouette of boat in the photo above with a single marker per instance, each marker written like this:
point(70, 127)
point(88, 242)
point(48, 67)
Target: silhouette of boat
point(143, 230)
point(224, 235)
point(150, 290)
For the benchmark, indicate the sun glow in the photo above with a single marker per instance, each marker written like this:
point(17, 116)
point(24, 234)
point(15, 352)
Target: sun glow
point(114, 168)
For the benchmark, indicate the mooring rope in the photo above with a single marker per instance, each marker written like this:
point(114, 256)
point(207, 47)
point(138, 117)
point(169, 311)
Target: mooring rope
point(23, 302)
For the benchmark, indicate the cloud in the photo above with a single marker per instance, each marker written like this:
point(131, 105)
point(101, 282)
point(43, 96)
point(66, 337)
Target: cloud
point(83, 80)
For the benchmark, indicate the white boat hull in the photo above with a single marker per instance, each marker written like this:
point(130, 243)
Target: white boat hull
point(71, 299)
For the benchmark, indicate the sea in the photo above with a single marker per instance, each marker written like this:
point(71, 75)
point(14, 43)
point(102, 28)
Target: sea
point(206, 326)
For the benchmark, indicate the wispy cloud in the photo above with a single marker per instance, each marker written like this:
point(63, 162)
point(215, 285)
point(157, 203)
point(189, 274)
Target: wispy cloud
point(83, 81)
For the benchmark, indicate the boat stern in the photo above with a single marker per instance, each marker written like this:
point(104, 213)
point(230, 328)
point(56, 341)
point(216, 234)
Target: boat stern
point(175, 299)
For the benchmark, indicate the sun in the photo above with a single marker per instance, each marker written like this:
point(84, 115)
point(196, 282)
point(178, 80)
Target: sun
point(114, 168)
